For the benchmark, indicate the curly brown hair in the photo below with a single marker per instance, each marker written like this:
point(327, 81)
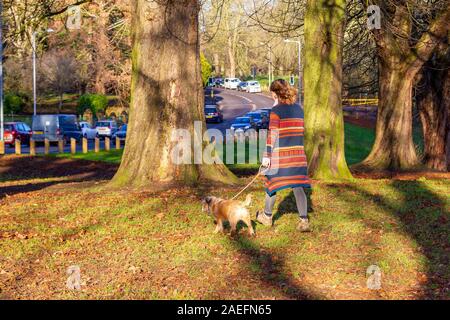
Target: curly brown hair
point(285, 93)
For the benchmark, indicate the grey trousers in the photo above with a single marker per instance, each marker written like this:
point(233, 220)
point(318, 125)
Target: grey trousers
point(300, 199)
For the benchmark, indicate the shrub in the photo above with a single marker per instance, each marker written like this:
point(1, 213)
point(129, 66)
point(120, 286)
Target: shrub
point(14, 103)
point(94, 102)
point(206, 69)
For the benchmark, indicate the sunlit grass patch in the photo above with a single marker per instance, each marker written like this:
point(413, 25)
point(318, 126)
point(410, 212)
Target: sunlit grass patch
point(111, 156)
point(144, 245)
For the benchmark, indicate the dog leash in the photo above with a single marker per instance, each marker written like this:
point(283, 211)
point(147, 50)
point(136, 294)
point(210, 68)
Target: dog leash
point(260, 171)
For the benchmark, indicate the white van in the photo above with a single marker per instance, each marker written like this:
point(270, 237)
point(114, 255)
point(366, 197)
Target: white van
point(231, 83)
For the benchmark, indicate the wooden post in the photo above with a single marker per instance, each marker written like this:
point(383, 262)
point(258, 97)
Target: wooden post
point(97, 145)
point(32, 147)
point(85, 145)
point(73, 146)
point(61, 146)
point(107, 143)
point(117, 143)
point(18, 147)
point(46, 146)
point(2, 147)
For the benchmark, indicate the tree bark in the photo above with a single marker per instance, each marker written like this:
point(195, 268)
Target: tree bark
point(324, 121)
point(166, 95)
point(393, 148)
point(433, 102)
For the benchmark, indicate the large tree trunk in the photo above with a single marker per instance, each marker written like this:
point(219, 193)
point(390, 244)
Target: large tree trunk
point(324, 121)
point(399, 63)
point(166, 95)
point(433, 101)
point(394, 147)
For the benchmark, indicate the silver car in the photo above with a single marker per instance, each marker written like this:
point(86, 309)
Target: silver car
point(106, 128)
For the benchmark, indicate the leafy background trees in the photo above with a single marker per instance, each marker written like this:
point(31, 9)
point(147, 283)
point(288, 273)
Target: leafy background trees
point(95, 103)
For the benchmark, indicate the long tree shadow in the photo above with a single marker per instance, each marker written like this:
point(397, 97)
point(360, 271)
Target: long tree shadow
point(431, 231)
point(16, 169)
point(271, 270)
point(269, 267)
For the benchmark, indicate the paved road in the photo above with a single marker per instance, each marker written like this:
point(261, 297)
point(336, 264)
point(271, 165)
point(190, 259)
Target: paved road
point(234, 104)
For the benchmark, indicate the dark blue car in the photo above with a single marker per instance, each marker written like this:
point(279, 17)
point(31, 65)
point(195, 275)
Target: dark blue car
point(122, 133)
point(243, 123)
point(242, 86)
point(213, 114)
point(257, 118)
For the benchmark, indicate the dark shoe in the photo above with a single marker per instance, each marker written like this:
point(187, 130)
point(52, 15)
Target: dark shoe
point(303, 225)
point(263, 218)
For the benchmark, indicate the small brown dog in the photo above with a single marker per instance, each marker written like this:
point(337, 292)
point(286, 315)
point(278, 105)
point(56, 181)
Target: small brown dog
point(232, 211)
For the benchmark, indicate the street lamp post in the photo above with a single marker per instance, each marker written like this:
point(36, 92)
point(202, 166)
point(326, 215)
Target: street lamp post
point(33, 44)
point(299, 66)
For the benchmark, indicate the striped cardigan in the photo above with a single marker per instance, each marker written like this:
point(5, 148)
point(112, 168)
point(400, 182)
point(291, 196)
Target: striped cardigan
point(285, 148)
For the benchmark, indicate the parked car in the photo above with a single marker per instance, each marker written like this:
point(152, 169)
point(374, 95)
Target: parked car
point(231, 83)
point(265, 118)
point(88, 131)
point(121, 133)
point(219, 82)
point(211, 82)
point(106, 128)
point(242, 124)
point(16, 131)
point(242, 86)
point(213, 114)
point(253, 87)
point(257, 118)
point(268, 110)
point(55, 127)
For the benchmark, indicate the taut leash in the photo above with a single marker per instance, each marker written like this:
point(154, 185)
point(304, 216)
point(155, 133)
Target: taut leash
point(260, 171)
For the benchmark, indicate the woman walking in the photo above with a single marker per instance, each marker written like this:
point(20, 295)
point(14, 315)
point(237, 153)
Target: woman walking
point(285, 154)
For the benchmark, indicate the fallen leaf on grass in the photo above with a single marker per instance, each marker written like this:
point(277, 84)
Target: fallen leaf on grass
point(21, 236)
point(10, 235)
point(160, 215)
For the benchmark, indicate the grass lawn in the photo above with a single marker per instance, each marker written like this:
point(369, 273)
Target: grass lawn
point(50, 103)
point(137, 244)
point(58, 212)
point(112, 156)
point(358, 142)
